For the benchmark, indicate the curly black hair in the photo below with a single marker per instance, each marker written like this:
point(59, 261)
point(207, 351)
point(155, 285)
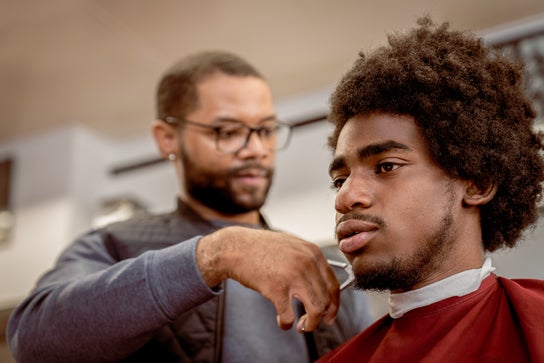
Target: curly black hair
point(470, 105)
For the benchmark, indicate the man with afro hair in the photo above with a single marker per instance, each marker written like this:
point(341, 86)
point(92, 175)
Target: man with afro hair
point(435, 164)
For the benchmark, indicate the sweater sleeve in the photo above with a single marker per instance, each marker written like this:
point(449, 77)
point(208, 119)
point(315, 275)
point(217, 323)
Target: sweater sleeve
point(91, 308)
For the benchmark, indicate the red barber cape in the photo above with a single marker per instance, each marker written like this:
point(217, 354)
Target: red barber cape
point(502, 321)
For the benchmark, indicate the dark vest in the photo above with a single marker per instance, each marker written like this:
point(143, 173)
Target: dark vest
point(196, 335)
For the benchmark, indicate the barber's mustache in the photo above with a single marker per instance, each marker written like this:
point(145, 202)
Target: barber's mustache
point(268, 171)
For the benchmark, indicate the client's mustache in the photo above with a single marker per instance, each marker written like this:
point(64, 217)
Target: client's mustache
point(362, 217)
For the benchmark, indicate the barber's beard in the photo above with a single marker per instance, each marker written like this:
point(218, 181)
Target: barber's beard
point(402, 273)
point(215, 189)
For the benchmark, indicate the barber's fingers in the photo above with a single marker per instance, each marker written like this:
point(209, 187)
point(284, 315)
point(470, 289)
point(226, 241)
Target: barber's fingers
point(333, 287)
point(325, 310)
point(308, 322)
point(286, 316)
point(318, 291)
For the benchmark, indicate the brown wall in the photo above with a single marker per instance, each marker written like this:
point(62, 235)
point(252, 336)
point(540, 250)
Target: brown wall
point(5, 355)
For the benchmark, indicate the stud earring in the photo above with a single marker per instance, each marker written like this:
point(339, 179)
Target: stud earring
point(172, 157)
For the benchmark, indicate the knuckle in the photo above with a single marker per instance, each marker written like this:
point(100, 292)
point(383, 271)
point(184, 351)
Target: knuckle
point(318, 307)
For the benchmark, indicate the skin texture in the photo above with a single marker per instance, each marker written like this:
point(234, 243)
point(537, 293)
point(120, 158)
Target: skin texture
point(231, 188)
point(401, 220)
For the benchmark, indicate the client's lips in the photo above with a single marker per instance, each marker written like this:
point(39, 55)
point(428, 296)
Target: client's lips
point(354, 234)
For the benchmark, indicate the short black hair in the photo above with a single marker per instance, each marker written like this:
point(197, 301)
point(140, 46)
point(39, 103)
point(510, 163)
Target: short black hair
point(177, 89)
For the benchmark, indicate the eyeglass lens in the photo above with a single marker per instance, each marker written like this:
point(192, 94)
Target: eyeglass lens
point(232, 138)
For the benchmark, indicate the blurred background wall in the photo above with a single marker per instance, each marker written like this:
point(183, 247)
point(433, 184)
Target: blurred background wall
point(76, 99)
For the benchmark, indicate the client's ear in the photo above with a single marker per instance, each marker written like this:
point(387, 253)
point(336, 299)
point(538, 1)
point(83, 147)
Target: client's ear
point(475, 196)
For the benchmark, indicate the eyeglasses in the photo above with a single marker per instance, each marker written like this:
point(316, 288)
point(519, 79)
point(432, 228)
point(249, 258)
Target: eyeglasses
point(234, 136)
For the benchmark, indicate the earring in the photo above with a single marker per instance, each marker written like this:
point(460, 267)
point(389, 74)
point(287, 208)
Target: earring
point(172, 157)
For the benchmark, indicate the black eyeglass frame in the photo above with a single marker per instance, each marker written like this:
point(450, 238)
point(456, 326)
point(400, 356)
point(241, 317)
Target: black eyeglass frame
point(217, 129)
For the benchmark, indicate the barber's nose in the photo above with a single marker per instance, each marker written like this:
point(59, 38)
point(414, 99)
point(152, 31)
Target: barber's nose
point(254, 145)
point(355, 192)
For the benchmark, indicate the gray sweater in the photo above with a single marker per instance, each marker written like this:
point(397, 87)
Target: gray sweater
point(132, 292)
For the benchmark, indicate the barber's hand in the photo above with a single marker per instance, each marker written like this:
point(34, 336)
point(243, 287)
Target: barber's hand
point(277, 265)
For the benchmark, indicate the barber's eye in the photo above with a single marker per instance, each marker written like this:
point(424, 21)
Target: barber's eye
point(231, 132)
point(267, 131)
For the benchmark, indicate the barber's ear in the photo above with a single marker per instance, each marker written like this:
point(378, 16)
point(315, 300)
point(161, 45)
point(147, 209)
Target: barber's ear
point(475, 196)
point(166, 138)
